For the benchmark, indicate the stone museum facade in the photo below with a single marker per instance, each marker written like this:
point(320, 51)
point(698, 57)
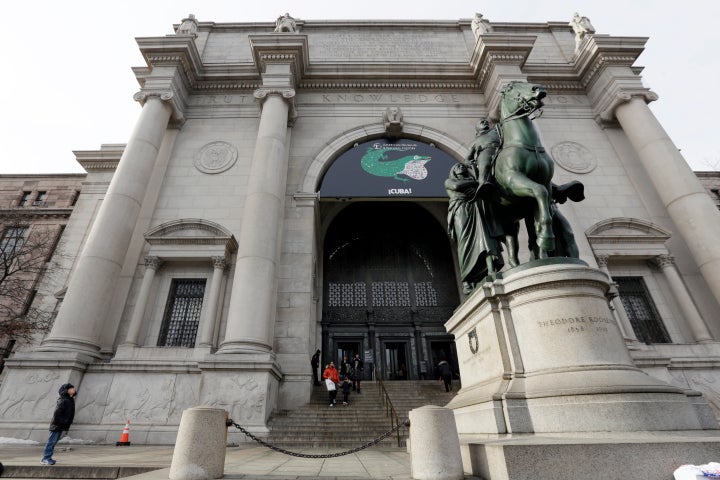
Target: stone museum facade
point(282, 192)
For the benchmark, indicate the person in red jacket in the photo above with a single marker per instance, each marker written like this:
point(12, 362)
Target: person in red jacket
point(331, 374)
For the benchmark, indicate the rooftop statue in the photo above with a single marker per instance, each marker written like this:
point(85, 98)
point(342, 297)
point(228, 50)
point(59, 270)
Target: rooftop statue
point(480, 25)
point(286, 23)
point(507, 177)
point(188, 26)
point(581, 26)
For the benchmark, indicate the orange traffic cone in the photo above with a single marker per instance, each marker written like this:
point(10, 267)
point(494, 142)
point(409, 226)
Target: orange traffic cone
point(125, 437)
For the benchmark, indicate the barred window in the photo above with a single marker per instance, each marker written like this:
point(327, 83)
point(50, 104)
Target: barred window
point(641, 311)
point(182, 313)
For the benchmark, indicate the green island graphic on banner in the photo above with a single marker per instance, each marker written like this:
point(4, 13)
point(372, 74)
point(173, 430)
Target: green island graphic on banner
point(388, 168)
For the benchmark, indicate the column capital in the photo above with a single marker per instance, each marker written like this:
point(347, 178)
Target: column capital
point(219, 262)
point(168, 97)
point(608, 104)
point(153, 262)
point(287, 94)
point(602, 260)
point(664, 261)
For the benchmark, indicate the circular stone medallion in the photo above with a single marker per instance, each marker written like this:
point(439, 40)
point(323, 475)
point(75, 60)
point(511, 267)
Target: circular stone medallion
point(216, 157)
point(574, 157)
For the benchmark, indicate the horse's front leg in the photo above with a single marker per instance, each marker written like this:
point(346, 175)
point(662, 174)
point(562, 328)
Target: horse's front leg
point(521, 186)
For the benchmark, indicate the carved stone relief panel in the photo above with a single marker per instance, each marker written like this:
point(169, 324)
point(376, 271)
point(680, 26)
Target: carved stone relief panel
point(574, 157)
point(31, 402)
point(216, 157)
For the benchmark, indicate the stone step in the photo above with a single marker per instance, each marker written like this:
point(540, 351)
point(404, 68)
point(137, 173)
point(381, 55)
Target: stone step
point(348, 426)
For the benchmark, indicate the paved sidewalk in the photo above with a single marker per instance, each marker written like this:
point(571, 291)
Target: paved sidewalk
point(247, 461)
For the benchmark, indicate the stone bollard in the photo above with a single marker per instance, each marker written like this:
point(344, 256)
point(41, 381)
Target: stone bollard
point(200, 446)
point(435, 452)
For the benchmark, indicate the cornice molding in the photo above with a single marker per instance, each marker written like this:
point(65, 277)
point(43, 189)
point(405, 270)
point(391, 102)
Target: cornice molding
point(385, 84)
point(493, 49)
point(289, 49)
point(602, 51)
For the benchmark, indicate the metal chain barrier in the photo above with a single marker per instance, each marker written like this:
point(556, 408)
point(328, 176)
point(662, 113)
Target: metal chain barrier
point(327, 455)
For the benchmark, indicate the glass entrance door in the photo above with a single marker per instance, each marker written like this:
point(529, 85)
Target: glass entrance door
point(347, 349)
point(395, 361)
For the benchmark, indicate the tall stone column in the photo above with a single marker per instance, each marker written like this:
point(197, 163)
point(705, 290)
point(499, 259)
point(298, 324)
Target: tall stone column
point(617, 306)
point(252, 310)
point(208, 323)
point(79, 323)
point(151, 266)
point(687, 203)
point(690, 312)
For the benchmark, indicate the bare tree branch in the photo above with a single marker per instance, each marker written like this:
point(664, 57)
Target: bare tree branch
point(25, 251)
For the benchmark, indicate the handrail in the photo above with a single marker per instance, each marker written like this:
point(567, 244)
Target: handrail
point(389, 407)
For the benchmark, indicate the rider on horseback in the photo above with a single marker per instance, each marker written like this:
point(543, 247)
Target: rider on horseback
point(482, 152)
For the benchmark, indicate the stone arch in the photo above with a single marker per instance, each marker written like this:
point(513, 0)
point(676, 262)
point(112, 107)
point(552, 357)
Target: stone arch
point(323, 160)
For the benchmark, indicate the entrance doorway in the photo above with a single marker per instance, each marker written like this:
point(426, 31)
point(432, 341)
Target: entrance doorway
point(388, 282)
point(395, 361)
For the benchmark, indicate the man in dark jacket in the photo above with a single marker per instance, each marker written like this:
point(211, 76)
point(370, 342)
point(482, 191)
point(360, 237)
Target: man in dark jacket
point(61, 421)
point(315, 364)
point(445, 373)
point(356, 372)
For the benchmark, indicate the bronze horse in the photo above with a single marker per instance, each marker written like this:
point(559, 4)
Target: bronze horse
point(523, 171)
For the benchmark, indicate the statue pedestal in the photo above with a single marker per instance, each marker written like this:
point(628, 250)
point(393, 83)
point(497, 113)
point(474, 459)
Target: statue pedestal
point(541, 354)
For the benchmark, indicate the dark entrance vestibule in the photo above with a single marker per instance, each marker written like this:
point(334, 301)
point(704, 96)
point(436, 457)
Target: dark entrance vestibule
point(389, 285)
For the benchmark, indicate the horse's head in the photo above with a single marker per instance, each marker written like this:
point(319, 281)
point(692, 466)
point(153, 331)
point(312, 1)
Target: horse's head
point(520, 99)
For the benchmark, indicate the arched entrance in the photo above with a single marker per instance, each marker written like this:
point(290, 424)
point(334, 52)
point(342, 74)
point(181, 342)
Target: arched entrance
point(388, 288)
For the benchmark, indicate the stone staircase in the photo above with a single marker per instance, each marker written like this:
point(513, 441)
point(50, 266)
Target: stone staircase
point(316, 424)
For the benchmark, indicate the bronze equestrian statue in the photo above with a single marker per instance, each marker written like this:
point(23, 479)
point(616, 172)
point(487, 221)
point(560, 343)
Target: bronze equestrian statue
point(482, 214)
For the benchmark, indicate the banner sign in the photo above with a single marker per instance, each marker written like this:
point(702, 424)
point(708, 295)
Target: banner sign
point(388, 168)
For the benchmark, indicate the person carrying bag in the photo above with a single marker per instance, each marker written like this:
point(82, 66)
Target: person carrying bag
point(332, 379)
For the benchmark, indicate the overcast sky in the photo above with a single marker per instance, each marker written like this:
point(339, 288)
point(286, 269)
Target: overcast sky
point(68, 85)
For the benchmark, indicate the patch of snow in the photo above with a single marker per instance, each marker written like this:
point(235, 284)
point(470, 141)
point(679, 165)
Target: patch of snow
point(17, 441)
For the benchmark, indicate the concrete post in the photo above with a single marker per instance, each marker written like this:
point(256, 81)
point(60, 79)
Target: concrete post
point(200, 446)
point(434, 444)
point(80, 320)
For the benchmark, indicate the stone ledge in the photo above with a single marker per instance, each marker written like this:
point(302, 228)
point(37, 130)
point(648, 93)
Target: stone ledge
point(72, 471)
point(590, 457)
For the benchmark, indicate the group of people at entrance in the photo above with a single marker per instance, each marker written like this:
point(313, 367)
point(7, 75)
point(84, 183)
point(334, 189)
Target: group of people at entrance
point(347, 379)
